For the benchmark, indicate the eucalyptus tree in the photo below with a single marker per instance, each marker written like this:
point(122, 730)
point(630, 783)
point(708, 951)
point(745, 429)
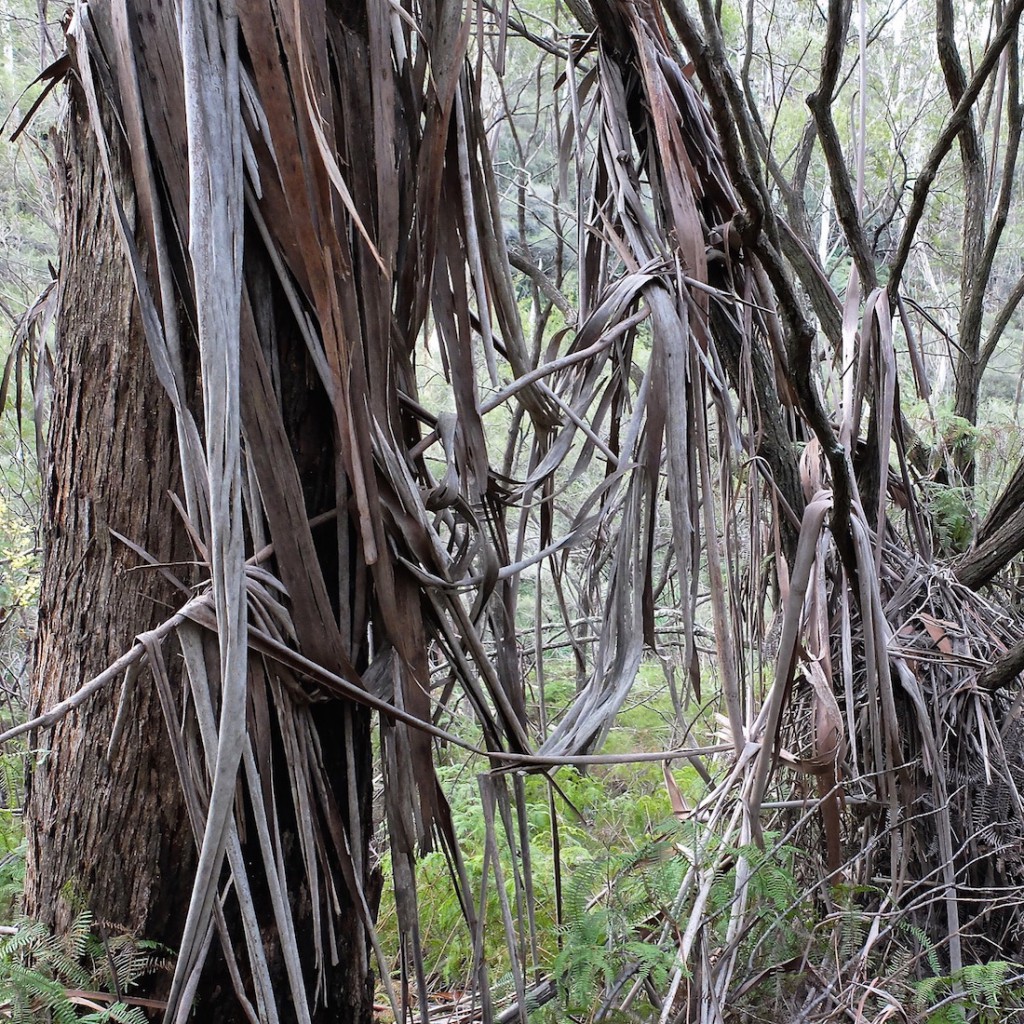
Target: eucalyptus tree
point(262, 542)
point(236, 335)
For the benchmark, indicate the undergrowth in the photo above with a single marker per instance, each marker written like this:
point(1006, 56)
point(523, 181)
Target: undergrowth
point(79, 974)
point(630, 872)
point(48, 978)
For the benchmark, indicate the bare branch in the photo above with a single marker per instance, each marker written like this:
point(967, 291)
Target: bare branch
point(820, 103)
point(521, 261)
point(926, 176)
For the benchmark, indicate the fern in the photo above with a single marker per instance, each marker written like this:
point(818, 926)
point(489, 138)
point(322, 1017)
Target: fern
point(928, 948)
point(776, 904)
point(608, 905)
point(952, 1013)
point(117, 1013)
point(38, 968)
point(977, 992)
point(584, 962)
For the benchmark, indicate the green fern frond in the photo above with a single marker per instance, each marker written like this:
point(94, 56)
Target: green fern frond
point(981, 994)
point(37, 968)
point(118, 1013)
point(984, 982)
point(927, 990)
point(927, 947)
point(951, 1013)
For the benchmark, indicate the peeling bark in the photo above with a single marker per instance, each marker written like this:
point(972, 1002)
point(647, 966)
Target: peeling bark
point(118, 832)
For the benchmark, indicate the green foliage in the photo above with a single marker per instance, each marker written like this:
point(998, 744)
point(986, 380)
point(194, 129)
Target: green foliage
point(39, 971)
point(606, 819)
point(949, 510)
point(612, 910)
point(12, 832)
point(989, 993)
point(616, 907)
point(772, 885)
point(448, 946)
point(19, 559)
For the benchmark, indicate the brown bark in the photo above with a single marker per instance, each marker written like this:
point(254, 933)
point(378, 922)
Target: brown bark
point(1004, 671)
point(980, 247)
point(115, 831)
point(1004, 507)
point(981, 564)
point(118, 831)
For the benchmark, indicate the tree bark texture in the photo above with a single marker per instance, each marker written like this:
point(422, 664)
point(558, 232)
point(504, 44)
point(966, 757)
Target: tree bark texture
point(116, 829)
point(113, 829)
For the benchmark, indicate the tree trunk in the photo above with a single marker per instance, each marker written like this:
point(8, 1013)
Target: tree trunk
point(117, 829)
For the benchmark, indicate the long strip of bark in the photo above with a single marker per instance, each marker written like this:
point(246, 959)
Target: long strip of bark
point(735, 132)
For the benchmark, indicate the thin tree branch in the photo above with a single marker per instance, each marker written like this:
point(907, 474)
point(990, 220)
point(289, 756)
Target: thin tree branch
point(522, 262)
point(1002, 321)
point(926, 176)
point(820, 103)
point(984, 270)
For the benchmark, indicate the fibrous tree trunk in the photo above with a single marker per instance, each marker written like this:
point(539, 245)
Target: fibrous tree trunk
point(109, 825)
point(264, 376)
point(108, 819)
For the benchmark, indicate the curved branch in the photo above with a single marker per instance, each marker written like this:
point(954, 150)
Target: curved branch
point(1003, 672)
point(1011, 498)
point(955, 76)
point(955, 124)
point(820, 103)
point(520, 261)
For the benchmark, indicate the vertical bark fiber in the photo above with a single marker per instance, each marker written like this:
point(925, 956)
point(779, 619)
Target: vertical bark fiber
point(116, 831)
